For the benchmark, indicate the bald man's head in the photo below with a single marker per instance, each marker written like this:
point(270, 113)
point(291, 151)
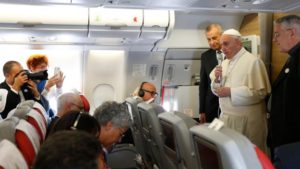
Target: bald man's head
point(149, 91)
point(67, 102)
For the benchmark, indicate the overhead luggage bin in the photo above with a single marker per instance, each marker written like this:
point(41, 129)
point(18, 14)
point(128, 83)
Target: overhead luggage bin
point(115, 23)
point(156, 23)
point(45, 24)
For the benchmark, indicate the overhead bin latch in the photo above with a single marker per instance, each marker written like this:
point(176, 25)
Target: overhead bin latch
point(116, 25)
point(29, 24)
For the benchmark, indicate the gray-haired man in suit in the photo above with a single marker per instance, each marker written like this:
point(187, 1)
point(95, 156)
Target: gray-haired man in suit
point(209, 103)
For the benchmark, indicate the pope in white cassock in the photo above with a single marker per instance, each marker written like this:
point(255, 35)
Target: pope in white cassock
point(241, 82)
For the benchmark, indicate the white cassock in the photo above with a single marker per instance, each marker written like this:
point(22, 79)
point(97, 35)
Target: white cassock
point(245, 110)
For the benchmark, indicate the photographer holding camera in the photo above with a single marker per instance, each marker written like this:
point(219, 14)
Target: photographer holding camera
point(17, 87)
point(37, 64)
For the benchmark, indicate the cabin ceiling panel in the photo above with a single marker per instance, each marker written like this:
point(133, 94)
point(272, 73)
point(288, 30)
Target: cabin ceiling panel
point(57, 2)
point(215, 5)
point(184, 5)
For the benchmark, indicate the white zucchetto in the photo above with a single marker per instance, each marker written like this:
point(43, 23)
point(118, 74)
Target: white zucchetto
point(232, 32)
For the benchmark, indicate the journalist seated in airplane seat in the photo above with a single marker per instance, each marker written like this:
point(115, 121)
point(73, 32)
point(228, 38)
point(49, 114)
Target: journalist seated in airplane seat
point(146, 91)
point(76, 120)
point(114, 120)
point(39, 62)
point(70, 150)
point(68, 102)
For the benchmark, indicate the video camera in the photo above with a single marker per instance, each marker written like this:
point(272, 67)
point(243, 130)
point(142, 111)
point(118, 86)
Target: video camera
point(42, 75)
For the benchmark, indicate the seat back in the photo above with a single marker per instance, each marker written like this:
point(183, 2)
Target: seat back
point(10, 156)
point(23, 134)
point(264, 159)
point(133, 102)
point(27, 140)
point(38, 121)
point(152, 134)
point(37, 106)
point(24, 107)
point(123, 156)
point(223, 149)
point(136, 127)
point(177, 140)
point(8, 128)
point(33, 116)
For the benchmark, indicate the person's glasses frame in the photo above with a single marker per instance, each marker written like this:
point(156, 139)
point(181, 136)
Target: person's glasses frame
point(153, 93)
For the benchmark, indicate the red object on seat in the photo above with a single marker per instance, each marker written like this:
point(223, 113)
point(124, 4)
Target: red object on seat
point(264, 159)
point(27, 140)
point(37, 106)
point(25, 147)
point(33, 122)
point(85, 102)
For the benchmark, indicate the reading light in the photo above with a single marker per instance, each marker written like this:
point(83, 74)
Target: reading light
point(256, 2)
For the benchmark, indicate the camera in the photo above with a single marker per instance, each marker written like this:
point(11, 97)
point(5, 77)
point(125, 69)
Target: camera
point(42, 75)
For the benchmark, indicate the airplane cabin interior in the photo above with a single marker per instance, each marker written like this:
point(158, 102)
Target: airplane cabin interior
point(107, 48)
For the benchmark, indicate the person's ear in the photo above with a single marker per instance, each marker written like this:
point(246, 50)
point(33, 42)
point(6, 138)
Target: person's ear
point(293, 31)
point(108, 126)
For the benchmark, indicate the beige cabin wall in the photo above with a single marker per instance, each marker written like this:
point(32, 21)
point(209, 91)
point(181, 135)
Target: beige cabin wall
point(273, 58)
point(250, 25)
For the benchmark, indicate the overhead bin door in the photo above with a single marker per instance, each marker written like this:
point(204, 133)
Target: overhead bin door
point(118, 23)
point(155, 25)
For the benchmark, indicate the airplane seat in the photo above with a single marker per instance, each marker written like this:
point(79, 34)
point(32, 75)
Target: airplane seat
point(152, 135)
point(8, 128)
point(27, 140)
point(23, 135)
point(223, 148)
point(136, 126)
point(33, 117)
point(133, 102)
point(27, 105)
point(37, 121)
point(287, 156)
point(37, 106)
point(263, 158)
point(10, 156)
point(177, 140)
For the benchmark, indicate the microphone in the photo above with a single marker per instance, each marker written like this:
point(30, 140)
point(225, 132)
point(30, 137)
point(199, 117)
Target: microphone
point(220, 59)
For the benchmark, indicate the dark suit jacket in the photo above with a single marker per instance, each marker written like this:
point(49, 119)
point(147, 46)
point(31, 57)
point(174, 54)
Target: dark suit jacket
point(287, 156)
point(14, 99)
point(209, 103)
point(284, 125)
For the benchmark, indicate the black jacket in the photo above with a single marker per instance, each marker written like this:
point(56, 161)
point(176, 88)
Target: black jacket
point(284, 125)
point(209, 103)
point(13, 99)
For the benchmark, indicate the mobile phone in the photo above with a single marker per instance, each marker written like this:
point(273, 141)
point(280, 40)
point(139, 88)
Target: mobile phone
point(56, 70)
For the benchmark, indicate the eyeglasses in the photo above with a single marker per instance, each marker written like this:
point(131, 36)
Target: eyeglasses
point(153, 93)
